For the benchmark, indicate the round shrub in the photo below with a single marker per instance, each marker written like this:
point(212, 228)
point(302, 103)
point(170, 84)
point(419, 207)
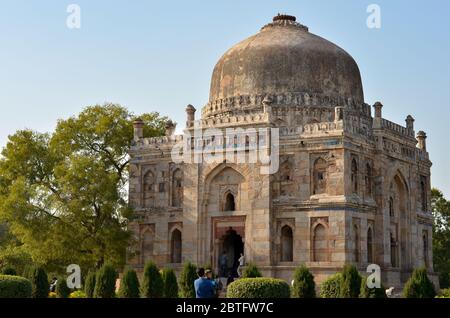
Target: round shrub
point(129, 285)
point(89, 285)
point(14, 287)
point(105, 282)
point(445, 293)
point(170, 283)
point(39, 282)
point(62, 291)
point(331, 287)
point(258, 288)
point(350, 283)
point(366, 292)
point(152, 284)
point(8, 270)
point(304, 285)
point(251, 271)
point(187, 277)
point(77, 294)
point(419, 285)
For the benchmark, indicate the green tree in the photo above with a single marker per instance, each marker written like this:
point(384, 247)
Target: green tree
point(350, 283)
point(39, 282)
point(89, 284)
point(62, 290)
point(9, 270)
point(251, 271)
point(304, 285)
point(331, 287)
point(366, 292)
point(152, 283)
point(170, 283)
point(129, 285)
point(441, 236)
point(105, 282)
point(63, 195)
point(419, 285)
point(187, 277)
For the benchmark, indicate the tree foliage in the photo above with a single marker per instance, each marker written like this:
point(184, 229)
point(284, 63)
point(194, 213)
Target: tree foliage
point(39, 282)
point(62, 290)
point(170, 283)
point(304, 285)
point(351, 282)
point(187, 277)
point(152, 283)
point(129, 284)
point(63, 194)
point(89, 284)
point(331, 287)
point(419, 285)
point(105, 282)
point(441, 236)
point(251, 271)
point(366, 292)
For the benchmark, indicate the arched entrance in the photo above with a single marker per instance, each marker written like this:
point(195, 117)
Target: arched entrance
point(232, 246)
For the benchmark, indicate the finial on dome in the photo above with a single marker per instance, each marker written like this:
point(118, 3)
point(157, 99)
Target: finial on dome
point(285, 17)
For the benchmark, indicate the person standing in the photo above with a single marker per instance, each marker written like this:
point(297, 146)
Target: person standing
point(204, 288)
point(241, 261)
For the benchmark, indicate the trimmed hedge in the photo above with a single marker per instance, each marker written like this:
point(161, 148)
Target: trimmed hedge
point(351, 282)
point(39, 282)
point(105, 282)
point(77, 294)
point(304, 285)
point(129, 285)
point(170, 283)
point(367, 292)
point(14, 287)
point(89, 285)
point(187, 277)
point(331, 287)
point(258, 288)
point(152, 284)
point(251, 271)
point(9, 270)
point(62, 291)
point(419, 285)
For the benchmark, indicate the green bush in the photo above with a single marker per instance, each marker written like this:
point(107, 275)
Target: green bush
point(105, 282)
point(350, 283)
point(14, 287)
point(170, 283)
point(419, 285)
point(89, 285)
point(129, 285)
point(258, 288)
point(78, 294)
point(251, 271)
point(9, 270)
point(445, 293)
point(39, 282)
point(187, 277)
point(304, 285)
point(62, 291)
point(331, 287)
point(152, 284)
point(366, 292)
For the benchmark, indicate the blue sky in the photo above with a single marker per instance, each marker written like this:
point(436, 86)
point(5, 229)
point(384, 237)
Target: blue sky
point(159, 55)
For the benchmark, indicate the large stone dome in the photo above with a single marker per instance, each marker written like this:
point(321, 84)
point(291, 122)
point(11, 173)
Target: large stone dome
point(285, 58)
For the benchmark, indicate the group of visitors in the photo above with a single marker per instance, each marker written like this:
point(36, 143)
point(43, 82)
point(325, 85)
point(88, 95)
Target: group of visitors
point(208, 287)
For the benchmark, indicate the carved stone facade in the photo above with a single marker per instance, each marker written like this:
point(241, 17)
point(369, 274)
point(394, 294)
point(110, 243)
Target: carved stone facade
point(350, 188)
